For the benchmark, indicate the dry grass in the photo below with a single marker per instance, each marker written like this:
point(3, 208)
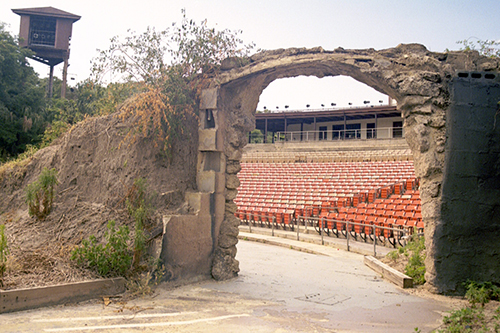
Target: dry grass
point(16, 168)
point(42, 267)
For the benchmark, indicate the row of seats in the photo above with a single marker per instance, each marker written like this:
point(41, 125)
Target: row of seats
point(330, 194)
point(272, 182)
point(393, 220)
point(328, 166)
point(329, 156)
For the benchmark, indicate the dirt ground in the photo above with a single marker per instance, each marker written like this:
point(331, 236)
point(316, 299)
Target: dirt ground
point(96, 167)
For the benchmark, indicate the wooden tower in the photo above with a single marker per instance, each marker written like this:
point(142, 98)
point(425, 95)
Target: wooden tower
point(47, 32)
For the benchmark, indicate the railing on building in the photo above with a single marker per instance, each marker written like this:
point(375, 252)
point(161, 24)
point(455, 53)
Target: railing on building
point(330, 135)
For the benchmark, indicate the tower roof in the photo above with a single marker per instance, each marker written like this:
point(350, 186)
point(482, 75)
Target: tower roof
point(47, 11)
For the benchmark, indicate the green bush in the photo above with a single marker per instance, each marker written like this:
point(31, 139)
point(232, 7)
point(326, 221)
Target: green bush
point(481, 292)
point(110, 259)
point(416, 269)
point(415, 251)
point(416, 266)
point(472, 318)
point(394, 255)
point(463, 320)
point(40, 194)
point(4, 251)
point(54, 131)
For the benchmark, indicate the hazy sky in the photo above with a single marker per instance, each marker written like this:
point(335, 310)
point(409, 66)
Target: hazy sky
point(351, 24)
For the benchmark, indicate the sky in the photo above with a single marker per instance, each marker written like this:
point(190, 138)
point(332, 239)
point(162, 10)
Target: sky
point(273, 24)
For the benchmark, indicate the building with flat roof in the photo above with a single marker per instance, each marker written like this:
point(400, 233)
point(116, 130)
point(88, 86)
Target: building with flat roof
point(372, 122)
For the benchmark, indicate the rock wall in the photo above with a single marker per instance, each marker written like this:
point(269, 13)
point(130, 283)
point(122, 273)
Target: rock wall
point(420, 82)
point(470, 220)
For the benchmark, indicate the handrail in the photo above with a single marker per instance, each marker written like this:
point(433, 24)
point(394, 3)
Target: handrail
point(329, 135)
point(347, 223)
point(346, 134)
point(295, 222)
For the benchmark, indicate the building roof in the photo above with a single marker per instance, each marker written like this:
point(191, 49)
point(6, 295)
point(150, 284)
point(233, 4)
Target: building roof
point(47, 11)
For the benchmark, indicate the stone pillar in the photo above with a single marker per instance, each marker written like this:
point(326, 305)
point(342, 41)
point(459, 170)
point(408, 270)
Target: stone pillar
point(211, 160)
point(190, 240)
point(237, 104)
point(213, 178)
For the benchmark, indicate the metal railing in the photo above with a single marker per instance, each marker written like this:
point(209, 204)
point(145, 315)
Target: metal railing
point(347, 134)
point(398, 234)
point(368, 232)
point(330, 135)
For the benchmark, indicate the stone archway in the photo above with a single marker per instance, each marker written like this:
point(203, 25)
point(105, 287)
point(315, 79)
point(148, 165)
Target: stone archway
point(421, 82)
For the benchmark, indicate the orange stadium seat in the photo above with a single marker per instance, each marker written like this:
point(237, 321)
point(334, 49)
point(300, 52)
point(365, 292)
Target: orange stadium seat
point(282, 192)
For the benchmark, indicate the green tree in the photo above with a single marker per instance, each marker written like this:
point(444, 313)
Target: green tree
point(95, 99)
point(21, 98)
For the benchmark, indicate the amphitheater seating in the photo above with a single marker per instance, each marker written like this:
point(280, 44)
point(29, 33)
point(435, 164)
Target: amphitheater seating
point(366, 193)
point(328, 156)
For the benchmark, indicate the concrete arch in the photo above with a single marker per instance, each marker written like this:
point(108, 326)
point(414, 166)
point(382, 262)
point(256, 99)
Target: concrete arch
point(422, 83)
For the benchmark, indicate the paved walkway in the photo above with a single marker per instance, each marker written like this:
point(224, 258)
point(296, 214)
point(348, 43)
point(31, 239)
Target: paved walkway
point(311, 242)
point(277, 290)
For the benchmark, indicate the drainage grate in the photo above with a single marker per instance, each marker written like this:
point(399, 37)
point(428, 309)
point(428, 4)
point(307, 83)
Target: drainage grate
point(323, 299)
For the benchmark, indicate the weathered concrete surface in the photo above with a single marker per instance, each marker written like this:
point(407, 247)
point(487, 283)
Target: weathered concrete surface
point(277, 290)
point(32, 298)
point(187, 246)
point(417, 78)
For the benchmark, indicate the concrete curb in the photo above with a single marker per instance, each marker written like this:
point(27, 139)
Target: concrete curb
point(31, 298)
point(389, 273)
point(355, 247)
point(278, 242)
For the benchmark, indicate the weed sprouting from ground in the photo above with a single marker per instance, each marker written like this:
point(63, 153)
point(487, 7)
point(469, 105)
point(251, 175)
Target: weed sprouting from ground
point(416, 266)
point(414, 251)
point(481, 292)
point(472, 318)
point(40, 194)
point(137, 208)
point(4, 251)
point(113, 258)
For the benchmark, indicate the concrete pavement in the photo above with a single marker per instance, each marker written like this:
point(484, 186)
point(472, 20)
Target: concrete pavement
point(277, 290)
